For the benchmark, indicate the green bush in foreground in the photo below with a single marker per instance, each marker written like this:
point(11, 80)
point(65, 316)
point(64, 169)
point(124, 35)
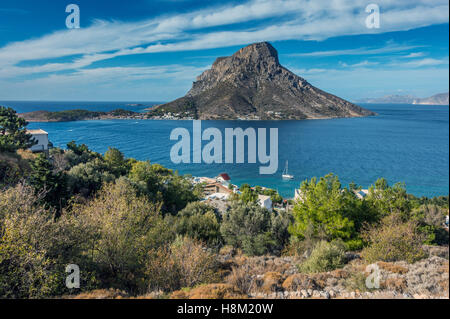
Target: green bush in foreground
point(325, 257)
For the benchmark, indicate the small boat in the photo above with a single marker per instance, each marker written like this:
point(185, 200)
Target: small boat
point(286, 174)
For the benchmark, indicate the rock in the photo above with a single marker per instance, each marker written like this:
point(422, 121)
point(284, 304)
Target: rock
point(325, 295)
point(251, 84)
point(304, 293)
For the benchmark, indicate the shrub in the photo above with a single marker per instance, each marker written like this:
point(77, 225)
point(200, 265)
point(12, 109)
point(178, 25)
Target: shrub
point(393, 240)
point(199, 221)
point(185, 263)
point(248, 226)
point(126, 227)
point(86, 178)
point(242, 278)
point(35, 248)
point(325, 257)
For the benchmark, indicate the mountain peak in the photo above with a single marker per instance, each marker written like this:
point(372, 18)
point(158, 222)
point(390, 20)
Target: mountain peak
point(256, 51)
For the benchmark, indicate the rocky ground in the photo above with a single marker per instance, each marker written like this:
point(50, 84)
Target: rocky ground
point(269, 277)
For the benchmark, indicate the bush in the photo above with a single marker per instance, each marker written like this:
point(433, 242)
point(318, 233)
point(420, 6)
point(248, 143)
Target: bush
point(185, 263)
point(34, 248)
point(242, 278)
point(248, 226)
point(325, 257)
point(199, 221)
point(126, 227)
point(87, 178)
point(393, 240)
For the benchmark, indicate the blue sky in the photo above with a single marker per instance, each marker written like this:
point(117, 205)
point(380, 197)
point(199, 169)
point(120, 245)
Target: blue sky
point(143, 50)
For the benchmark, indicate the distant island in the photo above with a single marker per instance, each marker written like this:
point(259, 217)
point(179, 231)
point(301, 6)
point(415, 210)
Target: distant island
point(79, 115)
point(252, 85)
point(437, 99)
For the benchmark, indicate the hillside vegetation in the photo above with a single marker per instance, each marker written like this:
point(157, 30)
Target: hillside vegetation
point(138, 229)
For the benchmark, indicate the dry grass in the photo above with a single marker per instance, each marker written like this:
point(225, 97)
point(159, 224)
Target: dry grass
point(210, 291)
point(101, 294)
point(397, 284)
point(391, 267)
point(241, 278)
point(272, 282)
point(445, 267)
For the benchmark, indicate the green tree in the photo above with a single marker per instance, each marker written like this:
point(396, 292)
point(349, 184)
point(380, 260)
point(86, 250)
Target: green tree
point(116, 162)
point(77, 149)
point(387, 200)
point(161, 184)
point(45, 181)
point(13, 135)
point(324, 211)
point(248, 195)
point(87, 178)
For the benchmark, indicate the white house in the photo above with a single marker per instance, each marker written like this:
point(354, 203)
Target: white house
point(265, 202)
point(298, 195)
point(361, 194)
point(224, 179)
point(41, 137)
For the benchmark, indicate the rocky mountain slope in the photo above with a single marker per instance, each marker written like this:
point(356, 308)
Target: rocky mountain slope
point(251, 84)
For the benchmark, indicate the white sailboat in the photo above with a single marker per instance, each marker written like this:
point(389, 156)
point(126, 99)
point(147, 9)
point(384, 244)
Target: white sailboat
point(286, 174)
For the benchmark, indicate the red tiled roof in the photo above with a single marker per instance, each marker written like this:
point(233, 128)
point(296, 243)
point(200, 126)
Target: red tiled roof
point(225, 176)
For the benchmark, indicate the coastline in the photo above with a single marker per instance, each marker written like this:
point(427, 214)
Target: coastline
point(145, 116)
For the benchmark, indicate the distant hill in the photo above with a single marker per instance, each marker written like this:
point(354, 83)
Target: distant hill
point(390, 99)
point(251, 84)
point(438, 99)
point(75, 115)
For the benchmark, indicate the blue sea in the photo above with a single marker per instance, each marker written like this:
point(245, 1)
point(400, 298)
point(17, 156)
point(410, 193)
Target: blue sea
point(404, 143)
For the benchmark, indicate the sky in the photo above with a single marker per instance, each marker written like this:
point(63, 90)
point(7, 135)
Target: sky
point(152, 50)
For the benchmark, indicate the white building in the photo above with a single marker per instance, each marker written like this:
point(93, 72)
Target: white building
point(298, 195)
point(265, 202)
point(361, 194)
point(41, 137)
point(224, 179)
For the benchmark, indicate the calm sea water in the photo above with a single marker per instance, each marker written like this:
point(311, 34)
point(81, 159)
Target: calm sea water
point(405, 143)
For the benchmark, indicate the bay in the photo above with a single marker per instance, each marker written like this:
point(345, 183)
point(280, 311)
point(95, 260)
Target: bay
point(404, 143)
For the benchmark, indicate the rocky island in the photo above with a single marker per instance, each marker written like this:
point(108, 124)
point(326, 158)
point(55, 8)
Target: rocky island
point(252, 84)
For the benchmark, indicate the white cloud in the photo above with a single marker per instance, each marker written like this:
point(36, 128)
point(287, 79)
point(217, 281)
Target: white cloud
point(308, 19)
point(357, 65)
point(426, 62)
point(414, 55)
point(389, 48)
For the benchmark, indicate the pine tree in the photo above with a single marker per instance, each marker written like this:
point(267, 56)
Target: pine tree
point(44, 180)
point(13, 135)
